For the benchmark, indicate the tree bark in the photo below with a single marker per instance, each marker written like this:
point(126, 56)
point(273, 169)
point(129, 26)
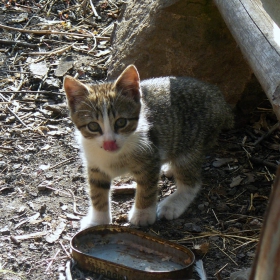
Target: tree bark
point(256, 34)
point(266, 263)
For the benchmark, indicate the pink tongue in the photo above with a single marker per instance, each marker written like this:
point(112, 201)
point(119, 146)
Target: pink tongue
point(110, 146)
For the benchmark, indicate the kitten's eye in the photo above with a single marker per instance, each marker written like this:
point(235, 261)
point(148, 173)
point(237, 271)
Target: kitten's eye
point(121, 122)
point(93, 127)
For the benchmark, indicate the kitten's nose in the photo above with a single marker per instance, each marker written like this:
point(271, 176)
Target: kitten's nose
point(110, 146)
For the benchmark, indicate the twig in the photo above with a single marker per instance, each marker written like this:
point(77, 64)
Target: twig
point(215, 216)
point(242, 245)
point(50, 259)
point(50, 263)
point(6, 148)
point(93, 9)
point(23, 44)
point(62, 162)
point(32, 91)
point(43, 32)
point(66, 252)
point(58, 51)
point(226, 255)
point(219, 271)
point(276, 126)
point(74, 204)
point(68, 270)
point(19, 119)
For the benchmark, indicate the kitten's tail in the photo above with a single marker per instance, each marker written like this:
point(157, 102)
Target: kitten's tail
point(200, 270)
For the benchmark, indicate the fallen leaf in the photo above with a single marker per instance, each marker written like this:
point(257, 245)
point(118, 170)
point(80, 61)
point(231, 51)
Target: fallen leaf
point(31, 235)
point(236, 181)
point(65, 64)
point(46, 147)
point(52, 237)
point(57, 132)
point(44, 166)
point(39, 69)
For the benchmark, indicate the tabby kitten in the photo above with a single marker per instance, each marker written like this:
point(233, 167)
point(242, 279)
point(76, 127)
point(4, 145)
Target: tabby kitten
point(128, 126)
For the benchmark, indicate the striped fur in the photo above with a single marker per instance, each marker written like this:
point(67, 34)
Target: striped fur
point(125, 126)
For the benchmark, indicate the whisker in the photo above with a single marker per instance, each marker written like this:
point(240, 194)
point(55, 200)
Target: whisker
point(89, 105)
point(83, 111)
point(92, 105)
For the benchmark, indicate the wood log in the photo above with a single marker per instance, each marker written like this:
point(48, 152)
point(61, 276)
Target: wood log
point(266, 263)
point(258, 37)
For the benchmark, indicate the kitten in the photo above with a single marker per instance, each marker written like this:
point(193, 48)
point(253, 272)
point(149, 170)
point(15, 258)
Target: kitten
point(128, 126)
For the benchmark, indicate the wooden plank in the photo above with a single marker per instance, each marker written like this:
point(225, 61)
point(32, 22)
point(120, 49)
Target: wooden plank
point(255, 32)
point(266, 263)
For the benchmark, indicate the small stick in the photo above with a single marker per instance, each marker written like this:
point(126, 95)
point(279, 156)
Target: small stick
point(220, 270)
point(66, 252)
point(74, 204)
point(276, 126)
point(62, 162)
point(19, 119)
point(43, 32)
point(93, 9)
point(68, 270)
point(244, 244)
point(18, 43)
point(50, 263)
point(32, 91)
point(215, 216)
point(50, 259)
point(58, 51)
point(6, 148)
point(226, 255)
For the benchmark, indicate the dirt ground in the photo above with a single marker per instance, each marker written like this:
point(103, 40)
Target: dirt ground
point(42, 182)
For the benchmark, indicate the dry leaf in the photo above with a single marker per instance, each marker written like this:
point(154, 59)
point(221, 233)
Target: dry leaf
point(52, 237)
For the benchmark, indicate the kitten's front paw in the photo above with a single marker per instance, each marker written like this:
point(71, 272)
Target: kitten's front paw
point(142, 217)
point(95, 218)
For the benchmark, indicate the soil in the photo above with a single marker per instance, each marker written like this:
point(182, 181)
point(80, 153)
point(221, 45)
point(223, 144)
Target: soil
point(42, 182)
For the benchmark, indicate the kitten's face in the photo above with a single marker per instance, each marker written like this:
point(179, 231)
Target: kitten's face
point(107, 113)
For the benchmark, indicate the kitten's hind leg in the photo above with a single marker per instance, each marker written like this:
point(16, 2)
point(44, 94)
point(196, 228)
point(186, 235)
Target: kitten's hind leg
point(187, 177)
point(99, 192)
point(166, 170)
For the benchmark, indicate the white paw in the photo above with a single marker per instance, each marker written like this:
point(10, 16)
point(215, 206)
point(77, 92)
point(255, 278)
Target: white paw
point(95, 218)
point(170, 209)
point(167, 171)
point(174, 206)
point(142, 217)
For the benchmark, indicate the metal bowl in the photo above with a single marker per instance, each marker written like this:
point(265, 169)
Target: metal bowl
point(124, 253)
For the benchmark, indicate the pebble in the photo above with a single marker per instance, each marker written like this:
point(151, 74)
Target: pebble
point(192, 227)
point(222, 207)
point(5, 231)
point(201, 207)
point(49, 175)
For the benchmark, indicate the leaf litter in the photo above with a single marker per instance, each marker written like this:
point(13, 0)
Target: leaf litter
point(41, 41)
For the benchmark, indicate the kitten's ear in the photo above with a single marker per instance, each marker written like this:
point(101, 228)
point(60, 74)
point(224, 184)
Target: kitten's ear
point(75, 91)
point(128, 83)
